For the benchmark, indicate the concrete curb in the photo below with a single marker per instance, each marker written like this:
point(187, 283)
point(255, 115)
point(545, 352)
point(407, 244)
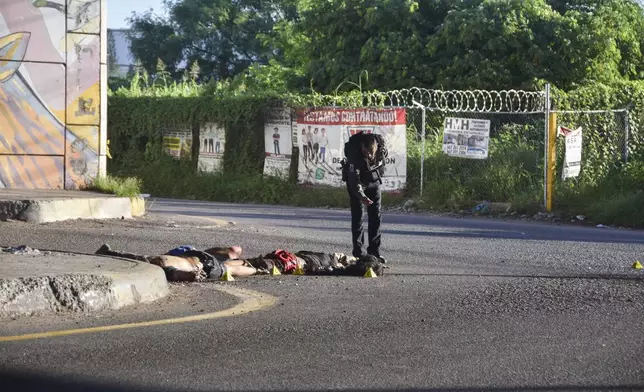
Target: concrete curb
point(83, 292)
point(54, 210)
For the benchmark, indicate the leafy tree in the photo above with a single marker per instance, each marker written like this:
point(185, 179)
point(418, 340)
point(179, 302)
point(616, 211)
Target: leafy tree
point(493, 44)
point(345, 37)
point(224, 36)
point(467, 44)
point(154, 38)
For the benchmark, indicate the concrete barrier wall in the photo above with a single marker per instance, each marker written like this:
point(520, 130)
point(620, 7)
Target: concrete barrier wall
point(53, 93)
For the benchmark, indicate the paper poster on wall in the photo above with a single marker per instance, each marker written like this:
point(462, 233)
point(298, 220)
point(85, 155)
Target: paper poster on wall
point(323, 133)
point(277, 142)
point(572, 157)
point(212, 139)
point(466, 137)
point(178, 143)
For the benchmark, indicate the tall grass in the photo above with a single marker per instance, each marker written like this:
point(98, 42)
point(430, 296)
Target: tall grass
point(513, 174)
point(122, 187)
point(617, 199)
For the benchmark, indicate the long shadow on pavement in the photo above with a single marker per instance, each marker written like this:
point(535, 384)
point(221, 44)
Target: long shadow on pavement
point(28, 382)
point(262, 216)
point(471, 228)
point(493, 234)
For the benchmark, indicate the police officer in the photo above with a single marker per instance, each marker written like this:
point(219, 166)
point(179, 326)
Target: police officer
point(365, 155)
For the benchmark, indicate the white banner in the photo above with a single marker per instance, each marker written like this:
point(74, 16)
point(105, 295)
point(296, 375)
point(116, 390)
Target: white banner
point(466, 137)
point(572, 157)
point(211, 150)
point(277, 143)
point(323, 133)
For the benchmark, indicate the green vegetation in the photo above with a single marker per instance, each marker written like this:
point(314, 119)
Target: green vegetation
point(617, 199)
point(121, 187)
point(246, 57)
point(484, 44)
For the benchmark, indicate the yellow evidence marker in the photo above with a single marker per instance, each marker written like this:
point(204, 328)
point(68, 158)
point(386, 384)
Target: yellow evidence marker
point(370, 273)
point(227, 277)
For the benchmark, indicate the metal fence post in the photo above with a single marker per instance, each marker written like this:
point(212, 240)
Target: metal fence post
point(422, 144)
point(627, 126)
point(422, 158)
point(545, 146)
point(552, 138)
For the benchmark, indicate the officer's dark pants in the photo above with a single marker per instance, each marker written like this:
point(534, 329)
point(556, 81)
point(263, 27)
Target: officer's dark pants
point(374, 219)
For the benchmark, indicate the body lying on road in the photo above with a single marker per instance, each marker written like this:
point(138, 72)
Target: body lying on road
point(185, 263)
point(316, 263)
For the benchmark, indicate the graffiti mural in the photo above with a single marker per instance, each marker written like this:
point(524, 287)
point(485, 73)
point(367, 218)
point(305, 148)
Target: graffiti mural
point(50, 93)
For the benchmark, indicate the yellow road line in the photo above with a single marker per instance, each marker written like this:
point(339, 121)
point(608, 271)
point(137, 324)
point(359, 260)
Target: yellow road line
point(252, 301)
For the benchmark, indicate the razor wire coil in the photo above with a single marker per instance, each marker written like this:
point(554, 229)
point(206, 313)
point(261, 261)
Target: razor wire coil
point(482, 101)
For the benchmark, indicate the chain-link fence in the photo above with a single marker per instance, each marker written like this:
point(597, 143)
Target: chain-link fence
point(608, 140)
point(604, 143)
point(506, 159)
point(502, 162)
point(511, 167)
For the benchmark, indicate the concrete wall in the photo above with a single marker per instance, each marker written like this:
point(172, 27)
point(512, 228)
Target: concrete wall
point(53, 92)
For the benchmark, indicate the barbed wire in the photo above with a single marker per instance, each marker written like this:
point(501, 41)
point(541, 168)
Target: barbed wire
point(473, 100)
point(508, 101)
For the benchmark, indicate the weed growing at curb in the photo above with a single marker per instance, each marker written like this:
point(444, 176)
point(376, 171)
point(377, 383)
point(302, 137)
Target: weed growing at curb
point(118, 186)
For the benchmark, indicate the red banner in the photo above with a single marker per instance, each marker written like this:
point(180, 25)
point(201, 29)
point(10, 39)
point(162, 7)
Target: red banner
point(326, 116)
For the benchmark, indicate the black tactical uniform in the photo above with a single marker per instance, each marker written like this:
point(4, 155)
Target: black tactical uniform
point(363, 180)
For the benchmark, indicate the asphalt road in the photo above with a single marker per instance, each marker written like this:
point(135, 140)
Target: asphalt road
point(468, 304)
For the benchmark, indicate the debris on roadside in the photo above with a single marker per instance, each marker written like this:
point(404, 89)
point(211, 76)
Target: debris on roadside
point(482, 208)
point(20, 250)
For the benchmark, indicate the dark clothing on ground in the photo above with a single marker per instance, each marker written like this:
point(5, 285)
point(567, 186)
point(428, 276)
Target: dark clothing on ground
point(263, 263)
point(363, 264)
point(324, 264)
point(213, 268)
point(317, 261)
point(284, 261)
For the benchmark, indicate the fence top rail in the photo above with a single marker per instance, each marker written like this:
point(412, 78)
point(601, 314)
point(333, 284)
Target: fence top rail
point(436, 109)
point(483, 101)
point(589, 111)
